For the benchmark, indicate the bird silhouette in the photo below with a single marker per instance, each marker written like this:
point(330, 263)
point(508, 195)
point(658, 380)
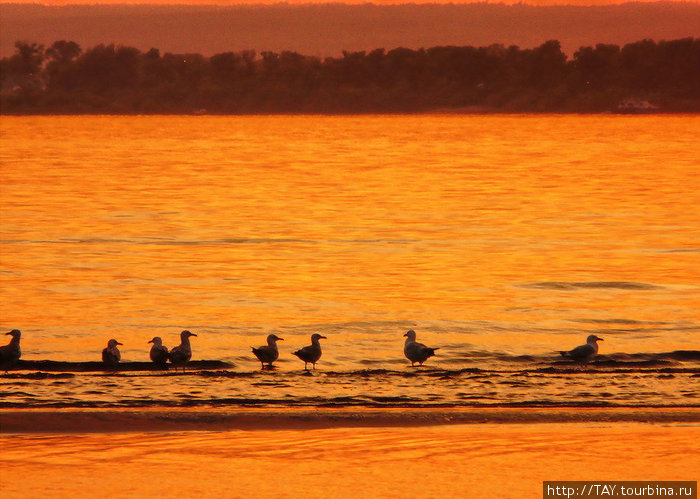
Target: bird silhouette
point(159, 353)
point(10, 353)
point(111, 355)
point(414, 351)
point(181, 354)
point(584, 353)
point(311, 353)
point(267, 354)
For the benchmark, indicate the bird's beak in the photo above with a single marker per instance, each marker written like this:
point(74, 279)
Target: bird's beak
point(601, 339)
point(192, 334)
point(120, 343)
point(150, 341)
point(324, 337)
point(405, 335)
point(280, 339)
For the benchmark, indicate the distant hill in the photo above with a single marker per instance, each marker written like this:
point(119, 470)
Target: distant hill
point(327, 30)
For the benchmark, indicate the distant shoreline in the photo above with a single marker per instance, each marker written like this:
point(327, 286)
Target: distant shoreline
point(114, 79)
point(436, 112)
point(127, 420)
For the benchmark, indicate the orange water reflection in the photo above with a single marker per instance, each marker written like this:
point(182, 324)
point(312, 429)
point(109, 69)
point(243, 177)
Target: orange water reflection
point(449, 461)
point(130, 227)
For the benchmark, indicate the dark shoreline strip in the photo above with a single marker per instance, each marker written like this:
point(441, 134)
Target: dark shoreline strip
point(105, 421)
point(661, 361)
point(62, 366)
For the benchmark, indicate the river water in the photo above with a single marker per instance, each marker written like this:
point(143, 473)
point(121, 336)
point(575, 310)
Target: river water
point(499, 239)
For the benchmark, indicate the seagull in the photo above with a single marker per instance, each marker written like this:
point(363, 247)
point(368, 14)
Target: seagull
point(312, 352)
point(10, 353)
point(181, 354)
point(267, 354)
point(111, 355)
point(414, 351)
point(159, 352)
point(584, 353)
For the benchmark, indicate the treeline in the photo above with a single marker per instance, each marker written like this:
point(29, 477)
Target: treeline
point(111, 79)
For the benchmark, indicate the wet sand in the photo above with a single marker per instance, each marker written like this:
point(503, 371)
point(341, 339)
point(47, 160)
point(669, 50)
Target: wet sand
point(454, 460)
point(155, 420)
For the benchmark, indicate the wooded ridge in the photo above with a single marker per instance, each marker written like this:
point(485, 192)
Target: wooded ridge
point(114, 79)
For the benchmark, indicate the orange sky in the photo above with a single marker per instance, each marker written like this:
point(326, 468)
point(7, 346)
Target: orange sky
point(301, 2)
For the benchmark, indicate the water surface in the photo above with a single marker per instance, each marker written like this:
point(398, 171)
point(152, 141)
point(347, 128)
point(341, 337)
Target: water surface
point(447, 461)
point(499, 239)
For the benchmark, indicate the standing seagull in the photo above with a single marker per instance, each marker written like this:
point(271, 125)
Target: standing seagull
point(267, 354)
point(159, 352)
point(312, 352)
point(181, 354)
point(111, 355)
point(10, 353)
point(584, 353)
point(414, 351)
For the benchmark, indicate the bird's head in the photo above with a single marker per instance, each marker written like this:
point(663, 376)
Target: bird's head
point(316, 337)
point(186, 334)
point(156, 341)
point(410, 334)
point(15, 333)
point(593, 338)
point(113, 343)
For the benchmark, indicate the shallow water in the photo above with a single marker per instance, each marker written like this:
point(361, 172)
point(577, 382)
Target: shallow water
point(447, 461)
point(499, 239)
point(544, 387)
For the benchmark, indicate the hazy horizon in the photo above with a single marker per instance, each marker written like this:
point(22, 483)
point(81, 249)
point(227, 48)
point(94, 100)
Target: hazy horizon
point(202, 3)
point(330, 28)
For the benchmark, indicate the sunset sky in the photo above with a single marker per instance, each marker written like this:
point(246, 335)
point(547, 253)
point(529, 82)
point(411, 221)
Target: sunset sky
point(302, 2)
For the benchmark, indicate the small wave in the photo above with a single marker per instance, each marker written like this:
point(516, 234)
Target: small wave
point(237, 241)
point(571, 286)
point(478, 361)
point(684, 355)
point(483, 401)
point(649, 358)
point(679, 250)
point(92, 366)
point(15, 394)
point(594, 369)
point(622, 363)
point(627, 322)
point(158, 241)
point(39, 375)
point(459, 357)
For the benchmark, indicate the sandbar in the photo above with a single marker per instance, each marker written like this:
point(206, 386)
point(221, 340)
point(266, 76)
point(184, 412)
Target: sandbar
point(100, 420)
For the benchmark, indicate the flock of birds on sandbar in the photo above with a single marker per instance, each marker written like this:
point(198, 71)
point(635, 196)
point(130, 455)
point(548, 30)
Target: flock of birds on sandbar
point(180, 355)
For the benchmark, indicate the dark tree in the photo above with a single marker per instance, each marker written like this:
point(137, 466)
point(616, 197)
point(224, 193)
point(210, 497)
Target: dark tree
point(118, 79)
